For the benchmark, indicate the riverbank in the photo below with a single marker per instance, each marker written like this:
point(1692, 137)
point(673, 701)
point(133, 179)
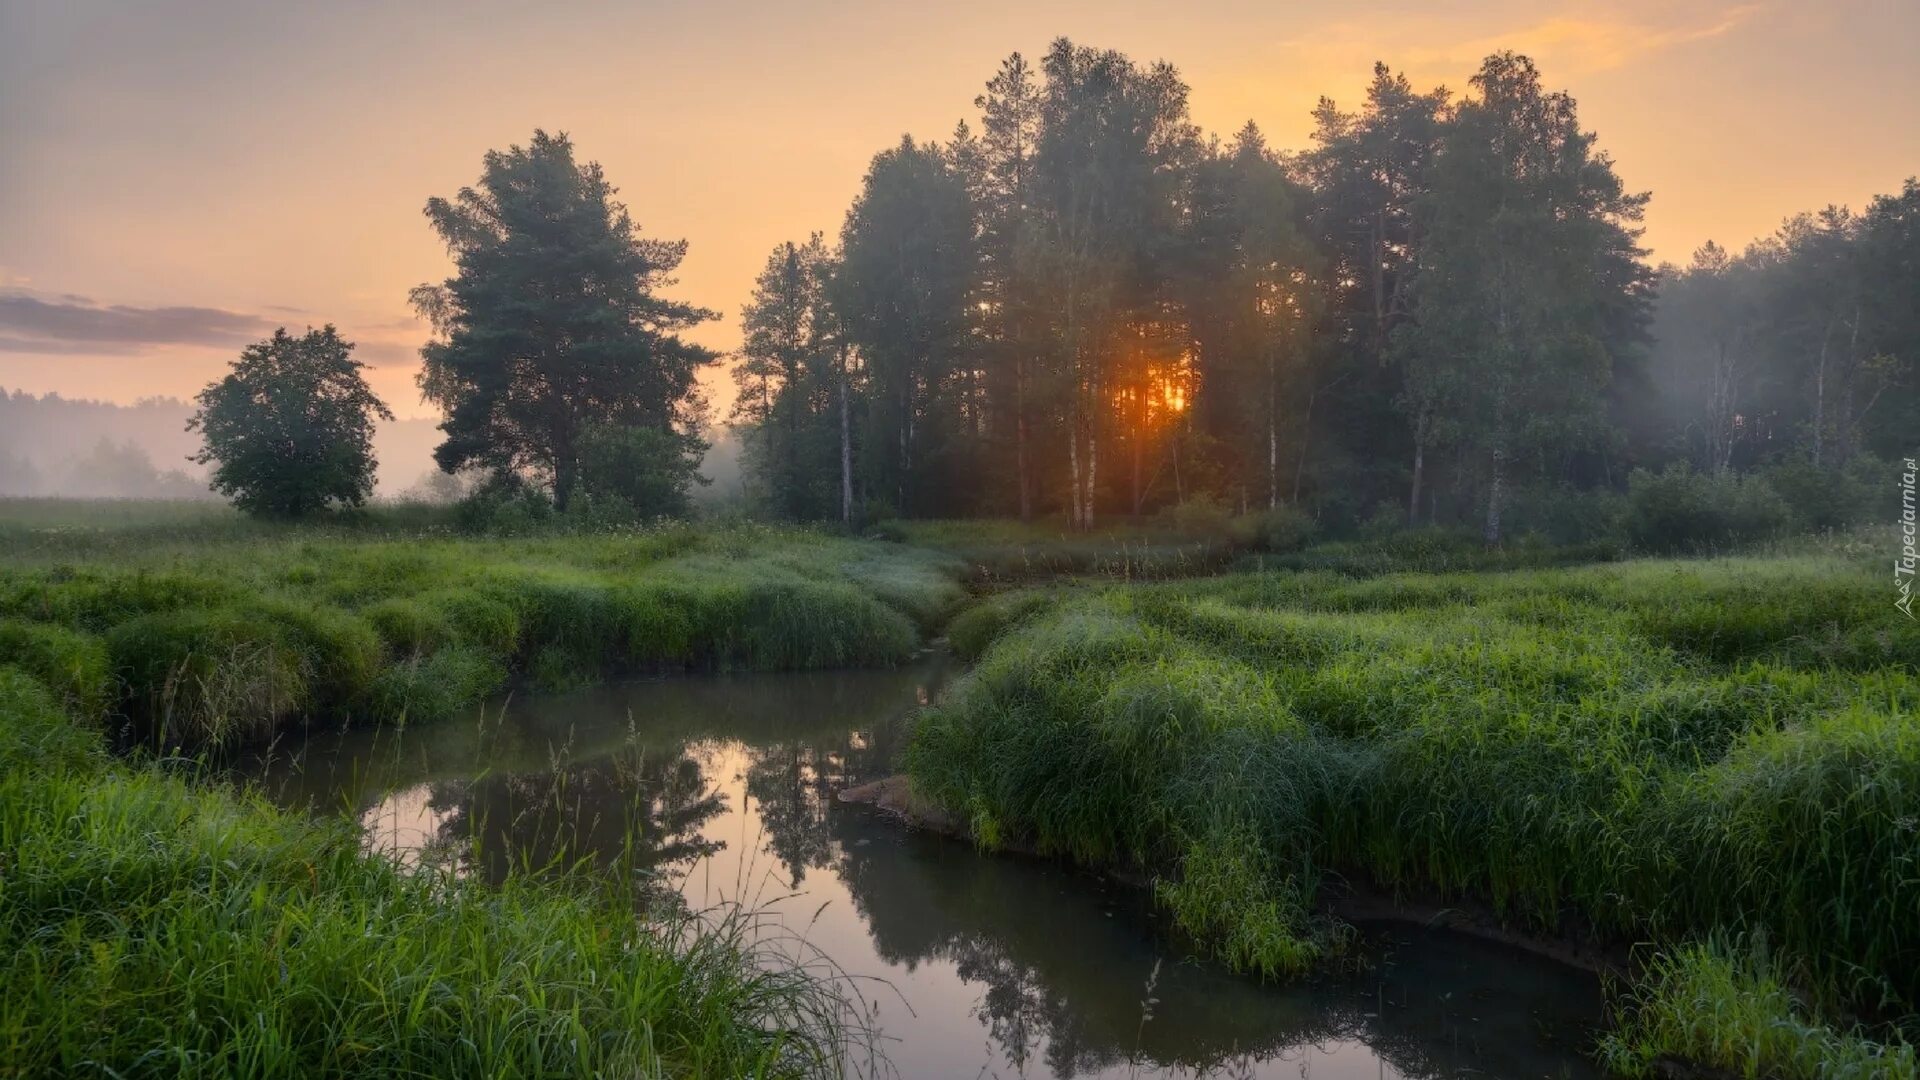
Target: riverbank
point(1719, 752)
point(229, 643)
point(153, 922)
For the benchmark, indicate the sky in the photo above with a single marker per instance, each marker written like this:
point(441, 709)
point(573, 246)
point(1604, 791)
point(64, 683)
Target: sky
point(179, 178)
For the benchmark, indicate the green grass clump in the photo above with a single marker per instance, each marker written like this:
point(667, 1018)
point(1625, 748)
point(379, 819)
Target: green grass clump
point(231, 640)
point(35, 731)
point(437, 686)
point(1648, 750)
point(1711, 1004)
point(979, 626)
point(74, 665)
point(148, 928)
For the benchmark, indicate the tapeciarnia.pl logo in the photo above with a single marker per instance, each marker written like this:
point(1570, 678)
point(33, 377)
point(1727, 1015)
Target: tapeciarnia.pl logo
point(1903, 567)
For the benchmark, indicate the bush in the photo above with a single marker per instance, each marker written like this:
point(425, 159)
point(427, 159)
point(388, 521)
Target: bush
point(1681, 510)
point(1200, 515)
point(1828, 499)
point(642, 472)
point(504, 506)
point(1278, 529)
point(1564, 515)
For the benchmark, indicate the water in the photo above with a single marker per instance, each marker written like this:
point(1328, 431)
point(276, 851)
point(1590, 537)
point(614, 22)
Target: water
point(973, 966)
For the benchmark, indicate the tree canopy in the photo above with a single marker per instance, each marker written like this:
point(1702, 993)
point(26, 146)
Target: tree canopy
point(552, 323)
point(289, 430)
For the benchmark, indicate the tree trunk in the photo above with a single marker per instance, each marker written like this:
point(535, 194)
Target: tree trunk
point(1419, 475)
point(1273, 438)
point(1496, 492)
point(1179, 491)
point(1074, 516)
point(846, 449)
point(1025, 477)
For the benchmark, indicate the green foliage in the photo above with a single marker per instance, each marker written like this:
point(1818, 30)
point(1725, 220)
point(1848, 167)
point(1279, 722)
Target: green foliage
point(290, 430)
point(1277, 530)
point(649, 471)
point(525, 375)
point(435, 686)
point(1660, 749)
point(37, 736)
point(1719, 1006)
point(1681, 510)
point(234, 641)
point(152, 929)
point(73, 665)
point(983, 623)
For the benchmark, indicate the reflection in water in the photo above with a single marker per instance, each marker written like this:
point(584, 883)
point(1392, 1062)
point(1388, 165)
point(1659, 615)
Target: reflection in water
point(723, 788)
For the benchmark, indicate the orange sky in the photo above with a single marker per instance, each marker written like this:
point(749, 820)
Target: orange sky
point(178, 178)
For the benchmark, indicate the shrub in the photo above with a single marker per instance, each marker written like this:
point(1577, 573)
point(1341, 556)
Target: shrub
point(1199, 515)
point(1827, 499)
point(1681, 510)
point(643, 472)
point(1278, 529)
point(504, 506)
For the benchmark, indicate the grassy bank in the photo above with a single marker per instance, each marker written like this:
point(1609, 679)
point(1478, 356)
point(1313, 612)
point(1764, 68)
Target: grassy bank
point(1655, 750)
point(232, 637)
point(150, 927)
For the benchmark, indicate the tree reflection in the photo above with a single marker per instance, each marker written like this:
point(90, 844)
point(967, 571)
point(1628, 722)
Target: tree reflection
point(640, 810)
point(1064, 966)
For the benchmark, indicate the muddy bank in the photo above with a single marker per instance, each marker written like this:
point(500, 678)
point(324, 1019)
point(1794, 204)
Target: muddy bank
point(1351, 899)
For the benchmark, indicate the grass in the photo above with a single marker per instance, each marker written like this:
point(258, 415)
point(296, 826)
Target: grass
point(1718, 1005)
point(152, 927)
point(231, 637)
point(1001, 552)
point(1654, 750)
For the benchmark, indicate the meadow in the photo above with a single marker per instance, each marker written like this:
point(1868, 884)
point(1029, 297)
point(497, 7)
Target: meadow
point(1713, 761)
point(1715, 758)
point(154, 922)
point(223, 632)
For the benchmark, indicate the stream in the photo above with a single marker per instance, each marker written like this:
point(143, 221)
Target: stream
point(970, 965)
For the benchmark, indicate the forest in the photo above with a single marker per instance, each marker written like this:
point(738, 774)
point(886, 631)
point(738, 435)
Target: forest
point(1437, 313)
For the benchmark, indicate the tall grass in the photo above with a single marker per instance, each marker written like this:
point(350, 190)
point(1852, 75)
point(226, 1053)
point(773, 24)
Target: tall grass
point(235, 638)
point(152, 927)
point(1655, 750)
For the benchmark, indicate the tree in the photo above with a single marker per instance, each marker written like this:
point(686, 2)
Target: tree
point(1372, 171)
point(290, 428)
point(1528, 263)
point(901, 290)
point(551, 324)
point(1114, 144)
point(787, 374)
point(652, 472)
point(999, 172)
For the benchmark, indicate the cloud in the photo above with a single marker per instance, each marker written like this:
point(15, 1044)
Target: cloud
point(384, 354)
point(1576, 42)
point(73, 324)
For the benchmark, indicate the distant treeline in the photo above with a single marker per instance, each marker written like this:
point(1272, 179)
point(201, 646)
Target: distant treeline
point(84, 449)
point(1436, 313)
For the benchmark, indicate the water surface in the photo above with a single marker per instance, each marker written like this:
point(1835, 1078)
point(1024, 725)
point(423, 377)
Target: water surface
point(973, 966)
